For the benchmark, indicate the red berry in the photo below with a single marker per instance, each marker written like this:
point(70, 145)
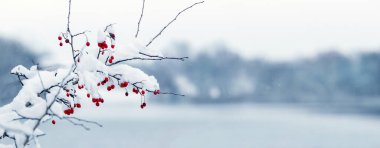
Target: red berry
point(110, 61)
point(60, 44)
point(142, 92)
point(109, 88)
point(98, 84)
point(103, 83)
point(124, 84)
point(112, 57)
point(97, 104)
point(103, 53)
point(53, 121)
point(106, 79)
point(94, 100)
point(79, 106)
point(101, 100)
point(67, 41)
point(112, 46)
point(112, 86)
point(67, 94)
point(59, 38)
point(88, 95)
point(67, 111)
point(144, 104)
point(126, 93)
point(88, 44)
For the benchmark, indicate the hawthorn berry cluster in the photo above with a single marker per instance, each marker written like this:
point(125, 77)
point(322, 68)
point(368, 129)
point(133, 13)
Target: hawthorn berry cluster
point(47, 95)
point(104, 38)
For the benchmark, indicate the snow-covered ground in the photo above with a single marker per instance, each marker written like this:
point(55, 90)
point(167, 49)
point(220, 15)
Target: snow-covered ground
point(206, 126)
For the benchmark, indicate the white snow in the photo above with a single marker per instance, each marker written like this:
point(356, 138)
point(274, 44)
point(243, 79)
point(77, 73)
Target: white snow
point(20, 116)
point(101, 36)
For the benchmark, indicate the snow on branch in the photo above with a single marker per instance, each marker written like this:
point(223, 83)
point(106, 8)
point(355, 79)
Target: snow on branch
point(54, 94)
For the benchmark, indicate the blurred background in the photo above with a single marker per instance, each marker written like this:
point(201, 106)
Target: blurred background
point(295, 73)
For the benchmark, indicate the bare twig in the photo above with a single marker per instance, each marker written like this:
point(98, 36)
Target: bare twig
point(175, 18)
point(138, 24)
point(161, 57)
point(81, 33)
point(19, 79)
point(108, 26)
point(19, 74)
point(161, 93)
point(169, 93)
point(86, 121)
point(70, 119)
point(68, 17)
point(23, 117)
point(77, 124)
point(148, 58)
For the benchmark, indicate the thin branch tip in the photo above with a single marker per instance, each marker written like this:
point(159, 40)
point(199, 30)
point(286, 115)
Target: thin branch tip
point(175, 18)
point(142, 14)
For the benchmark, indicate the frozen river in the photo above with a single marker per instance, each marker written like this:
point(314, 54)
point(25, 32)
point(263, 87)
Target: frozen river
point(224, 126)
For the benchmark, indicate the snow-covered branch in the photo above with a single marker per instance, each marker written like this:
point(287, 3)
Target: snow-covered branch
point(50, 95)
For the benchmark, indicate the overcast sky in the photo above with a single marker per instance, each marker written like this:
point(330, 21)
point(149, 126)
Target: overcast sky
point(274, 29)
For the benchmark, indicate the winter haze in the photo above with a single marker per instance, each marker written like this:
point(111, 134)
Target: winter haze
point(272, 73)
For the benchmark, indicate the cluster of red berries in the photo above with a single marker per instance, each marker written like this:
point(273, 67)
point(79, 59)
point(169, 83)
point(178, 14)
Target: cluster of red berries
point(69, 111)
point(143, 105)
point(135, 90)
point(103, 45)
point(97, 101)
point(109, 88)
point(67, 93)
point(111, 59)
point(77, 105)
point(104, 81)
point(123, 84)
point(60, 39)
point(156, 92)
